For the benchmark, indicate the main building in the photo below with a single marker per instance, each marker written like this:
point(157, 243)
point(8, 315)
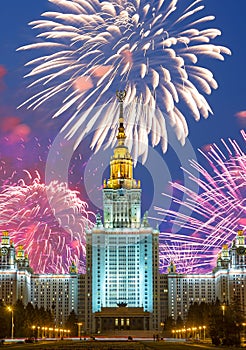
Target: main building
point(122, 288)
point(122, 252)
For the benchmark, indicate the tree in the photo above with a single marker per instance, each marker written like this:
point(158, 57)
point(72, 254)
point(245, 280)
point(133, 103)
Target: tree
point(71, 323)
point(5, 321)
point(169, 323)
point(232, 323)
point(179, 322)
point(215, 322)
point(196, 314)
point(19, 319)
point(225, 322)
point(30, 320)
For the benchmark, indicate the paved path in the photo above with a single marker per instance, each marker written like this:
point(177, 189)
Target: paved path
point(106, 345)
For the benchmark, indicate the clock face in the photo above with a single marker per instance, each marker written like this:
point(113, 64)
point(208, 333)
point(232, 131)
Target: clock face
point(241, 250)
point(4, 251)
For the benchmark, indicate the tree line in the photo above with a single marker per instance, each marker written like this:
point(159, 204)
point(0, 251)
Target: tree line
point(223, 321)
point(27, 316)
point(24, 318)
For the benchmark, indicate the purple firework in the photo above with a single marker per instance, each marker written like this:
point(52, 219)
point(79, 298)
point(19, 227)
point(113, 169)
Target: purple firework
point(218, 209)
point(184, 252)
point(49, 221)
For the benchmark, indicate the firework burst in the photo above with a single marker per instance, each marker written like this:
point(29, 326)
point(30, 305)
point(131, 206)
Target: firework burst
point(182, 253)
point(49, 221)
point(219, 209)
point(151, 49)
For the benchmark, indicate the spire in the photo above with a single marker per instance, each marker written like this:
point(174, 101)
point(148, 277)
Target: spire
point(73, 270)
point(99, 220)
point(121, 130)
point(121, 163)
point(145, 222)
point(121, 192)
point(172, 267)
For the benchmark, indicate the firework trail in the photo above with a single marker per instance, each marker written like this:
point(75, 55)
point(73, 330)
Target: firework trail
point(181, 255)
point(49, 221)
point(219, 209)
point(151, 49)
point(183, 251)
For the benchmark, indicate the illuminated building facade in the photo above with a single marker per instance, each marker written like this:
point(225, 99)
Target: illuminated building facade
point(227, 282)
point(174, 292)
point(58, 293)
point(122, 252)
point(15, 273)
point(122, 288)
point(230, 273)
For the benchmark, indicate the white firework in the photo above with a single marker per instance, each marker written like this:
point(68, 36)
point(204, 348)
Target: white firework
point(149, 48)
point(186, 253)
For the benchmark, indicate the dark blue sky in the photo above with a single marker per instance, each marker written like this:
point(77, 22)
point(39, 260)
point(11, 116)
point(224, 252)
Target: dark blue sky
point(226, 102)
point(231, 74)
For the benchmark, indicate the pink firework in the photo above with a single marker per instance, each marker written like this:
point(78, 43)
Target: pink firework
point(182, 251)
point(49, 221)
point(219, 208)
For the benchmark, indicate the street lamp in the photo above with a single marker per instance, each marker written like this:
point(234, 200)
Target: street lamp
point(79, 326)
point(38, 331)
point(61, 333)
point(12, 320)
point(204, 330)
point(56, 332)
point(50, 332)
point(223, 307)
point(33, 330)
point(200, 332)
point(162, 327)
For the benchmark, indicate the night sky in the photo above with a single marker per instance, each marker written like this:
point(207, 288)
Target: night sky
point(35, 130)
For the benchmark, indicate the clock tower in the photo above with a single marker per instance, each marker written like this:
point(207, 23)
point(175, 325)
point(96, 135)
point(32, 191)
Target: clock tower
point(15, 272)
point(238, 251)
point(7, 252)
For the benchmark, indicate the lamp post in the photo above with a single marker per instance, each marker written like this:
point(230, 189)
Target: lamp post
point(162, 327)
point(79, 329)
point(223, 310)
point(223, 307)
point(33, 331)
point(204, 332)
point(56, 332)
point(200, 332)
point(12, 321)
point(38, 331)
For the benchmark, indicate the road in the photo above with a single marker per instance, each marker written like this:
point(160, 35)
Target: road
point(107, 345)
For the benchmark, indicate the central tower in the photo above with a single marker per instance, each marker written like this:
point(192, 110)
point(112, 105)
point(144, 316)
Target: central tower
point(121, 193)
point(121, 251)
